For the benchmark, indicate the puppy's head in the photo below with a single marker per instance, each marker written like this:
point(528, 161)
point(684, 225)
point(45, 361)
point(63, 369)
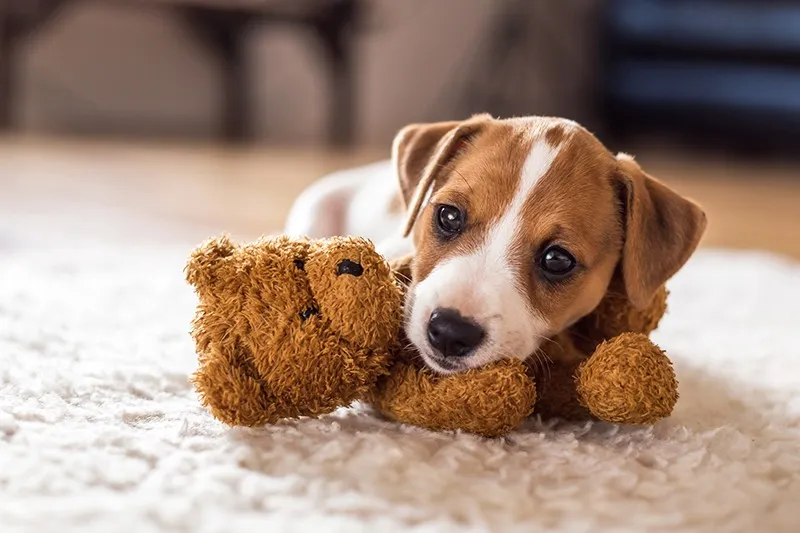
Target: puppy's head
point(519, 226)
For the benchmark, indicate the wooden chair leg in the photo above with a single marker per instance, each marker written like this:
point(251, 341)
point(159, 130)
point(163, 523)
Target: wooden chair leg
point(236, 97)
point(223, 35)
point(6, 70)
point(13, 33)
point(336, 33)
point(341, 113)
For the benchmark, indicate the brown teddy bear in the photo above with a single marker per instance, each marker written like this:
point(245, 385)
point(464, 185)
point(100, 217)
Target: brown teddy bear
point(291, 328)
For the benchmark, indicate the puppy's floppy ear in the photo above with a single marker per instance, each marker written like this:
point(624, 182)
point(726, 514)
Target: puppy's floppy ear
point(662, 230)
point(419, 153)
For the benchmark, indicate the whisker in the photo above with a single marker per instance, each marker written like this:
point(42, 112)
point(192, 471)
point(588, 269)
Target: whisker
point(580, 336)
point(465, 180)
point(542, 360)
point(549, 339)
point(405, 283)
point(408, 346)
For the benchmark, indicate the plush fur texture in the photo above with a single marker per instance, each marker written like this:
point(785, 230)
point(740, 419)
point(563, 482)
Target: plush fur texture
point(290, 328)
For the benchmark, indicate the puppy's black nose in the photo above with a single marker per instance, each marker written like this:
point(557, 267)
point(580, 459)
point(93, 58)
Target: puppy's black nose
point(452, 335)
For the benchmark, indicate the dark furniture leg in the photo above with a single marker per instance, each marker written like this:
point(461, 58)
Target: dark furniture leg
point(14, 29)
point(335, 32)
point(236, 125)
point(6, 68)
point(223, 34)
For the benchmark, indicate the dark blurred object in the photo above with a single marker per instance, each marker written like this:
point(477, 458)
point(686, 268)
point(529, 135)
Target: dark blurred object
point(710, 70)
point(536, 58)
point(221, 26)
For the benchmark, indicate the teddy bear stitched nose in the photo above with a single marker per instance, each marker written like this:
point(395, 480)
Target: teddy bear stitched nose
point(347, 266)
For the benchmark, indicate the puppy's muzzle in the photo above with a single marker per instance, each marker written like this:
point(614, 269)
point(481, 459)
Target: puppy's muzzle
point(452, 335)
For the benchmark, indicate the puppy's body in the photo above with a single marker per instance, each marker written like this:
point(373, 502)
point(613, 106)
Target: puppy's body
point(363, 201)
point(517, 228)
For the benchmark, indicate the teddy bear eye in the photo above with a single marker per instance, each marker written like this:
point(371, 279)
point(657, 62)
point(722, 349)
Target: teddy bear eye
point(308, 312)
point(349, 267)
point(300, 264)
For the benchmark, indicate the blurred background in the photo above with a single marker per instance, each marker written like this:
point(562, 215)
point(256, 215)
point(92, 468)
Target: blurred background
point(160, 121)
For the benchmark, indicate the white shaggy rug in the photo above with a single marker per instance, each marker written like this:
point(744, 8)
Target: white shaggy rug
point(100, 431)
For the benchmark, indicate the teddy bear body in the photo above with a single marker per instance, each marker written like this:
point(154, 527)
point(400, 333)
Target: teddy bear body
point(291, 328)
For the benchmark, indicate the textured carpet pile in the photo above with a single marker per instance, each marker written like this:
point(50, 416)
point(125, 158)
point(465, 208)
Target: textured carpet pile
point(100, 430)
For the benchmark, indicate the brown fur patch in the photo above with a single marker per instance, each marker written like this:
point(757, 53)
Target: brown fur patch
point(555, 136)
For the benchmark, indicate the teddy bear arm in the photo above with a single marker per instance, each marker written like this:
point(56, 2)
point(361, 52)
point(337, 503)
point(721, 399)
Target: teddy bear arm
point(627, 380)
point(489, 401)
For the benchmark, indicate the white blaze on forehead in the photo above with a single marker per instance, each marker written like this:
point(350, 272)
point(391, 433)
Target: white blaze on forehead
point(501, 237)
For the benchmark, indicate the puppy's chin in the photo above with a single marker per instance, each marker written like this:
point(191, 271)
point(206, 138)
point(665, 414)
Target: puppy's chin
point(449, 366)
point(440, 365)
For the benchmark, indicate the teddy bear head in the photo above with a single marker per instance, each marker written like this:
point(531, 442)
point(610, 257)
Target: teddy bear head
point(281, 311)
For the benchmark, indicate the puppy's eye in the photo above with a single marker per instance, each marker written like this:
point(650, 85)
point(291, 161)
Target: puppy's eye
point(449, 220)
point(556, 262)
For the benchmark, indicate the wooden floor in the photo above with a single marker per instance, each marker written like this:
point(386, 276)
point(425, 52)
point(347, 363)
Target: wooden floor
point(54, 187)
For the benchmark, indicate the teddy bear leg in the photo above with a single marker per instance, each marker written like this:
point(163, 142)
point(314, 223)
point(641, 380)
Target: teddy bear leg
point(628, 380)
point(230, 390)
point(490, 401)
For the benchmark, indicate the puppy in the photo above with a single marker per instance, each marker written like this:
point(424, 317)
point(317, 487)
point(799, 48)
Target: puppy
point(517, 228)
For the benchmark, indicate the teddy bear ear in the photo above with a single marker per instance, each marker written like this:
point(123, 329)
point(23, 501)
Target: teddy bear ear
point(206, 258)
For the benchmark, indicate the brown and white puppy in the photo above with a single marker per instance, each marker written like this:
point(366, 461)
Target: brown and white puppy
point(517, 227)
